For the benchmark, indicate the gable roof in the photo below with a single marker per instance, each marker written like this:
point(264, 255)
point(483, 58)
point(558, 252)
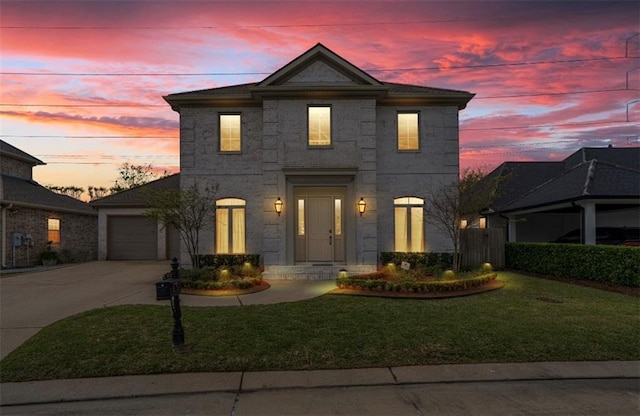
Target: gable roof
point(589, 173)
point(28, 193)
point(134, 197)
point(8, 150)
point(319, 73)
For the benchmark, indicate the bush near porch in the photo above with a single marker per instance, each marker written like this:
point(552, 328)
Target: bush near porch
point(610, 264)
point(222, 271)
point(433, 263)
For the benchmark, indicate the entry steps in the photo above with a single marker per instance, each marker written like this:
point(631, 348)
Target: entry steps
point(313, 271)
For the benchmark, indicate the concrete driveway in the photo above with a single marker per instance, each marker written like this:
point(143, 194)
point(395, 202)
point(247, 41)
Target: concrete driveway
point(30, 301)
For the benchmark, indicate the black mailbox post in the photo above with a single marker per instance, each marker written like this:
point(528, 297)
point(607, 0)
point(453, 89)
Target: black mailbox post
point(169, 289)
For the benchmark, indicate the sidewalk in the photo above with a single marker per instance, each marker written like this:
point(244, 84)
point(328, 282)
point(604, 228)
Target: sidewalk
point(109, 388)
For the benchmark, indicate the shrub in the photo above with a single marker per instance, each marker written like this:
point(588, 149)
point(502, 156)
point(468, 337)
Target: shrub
point(427, 262)
point(407, 285)
point(220, 261)
point(614, 264)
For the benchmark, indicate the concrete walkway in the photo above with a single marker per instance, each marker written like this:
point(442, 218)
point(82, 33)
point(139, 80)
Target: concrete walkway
point(30, 301)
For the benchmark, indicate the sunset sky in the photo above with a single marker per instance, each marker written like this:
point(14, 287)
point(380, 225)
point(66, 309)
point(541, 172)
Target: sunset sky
point(82, 81)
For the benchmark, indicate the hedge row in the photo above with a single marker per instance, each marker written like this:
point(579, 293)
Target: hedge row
point(427, 260)
point(614, 264)
point(228, 260)
point(414, 286)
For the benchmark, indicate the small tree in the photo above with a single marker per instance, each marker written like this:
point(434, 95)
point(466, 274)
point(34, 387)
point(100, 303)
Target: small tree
point(188, 210)
point(447, 206)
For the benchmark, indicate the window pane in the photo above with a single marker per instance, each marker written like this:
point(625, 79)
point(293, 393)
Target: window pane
point(222, 231)
point(319, 126)
point(408, 131)
point(238, 230)
point(229, 132)
point(300, 216)
point(401, 228)
point(338, 216)
point(53, 230)
point(228, 202)
point(417, 229)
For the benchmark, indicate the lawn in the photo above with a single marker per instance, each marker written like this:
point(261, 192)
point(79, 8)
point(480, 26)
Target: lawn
point(529, 319)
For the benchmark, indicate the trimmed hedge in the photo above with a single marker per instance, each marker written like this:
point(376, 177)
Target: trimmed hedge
point(426, 260)
point(614, 264)
point(414, 286)
point(218, 285)
point(220, 261)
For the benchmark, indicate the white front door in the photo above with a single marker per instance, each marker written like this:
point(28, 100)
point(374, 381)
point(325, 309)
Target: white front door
point(320, 228)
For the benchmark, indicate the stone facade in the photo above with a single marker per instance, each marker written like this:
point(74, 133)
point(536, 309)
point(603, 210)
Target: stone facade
point(362, 161)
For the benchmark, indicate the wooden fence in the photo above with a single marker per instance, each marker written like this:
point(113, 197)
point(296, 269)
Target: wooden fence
point(478, 246)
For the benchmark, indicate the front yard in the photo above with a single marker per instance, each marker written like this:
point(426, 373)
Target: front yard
point(529, 319)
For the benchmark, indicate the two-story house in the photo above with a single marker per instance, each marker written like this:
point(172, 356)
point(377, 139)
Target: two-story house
point(320, 166)
point(33, 218)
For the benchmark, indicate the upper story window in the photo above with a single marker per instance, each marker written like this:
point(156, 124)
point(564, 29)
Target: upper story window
point(319, 126)
point(408, 132)
point(53, 230)
point(230, 133)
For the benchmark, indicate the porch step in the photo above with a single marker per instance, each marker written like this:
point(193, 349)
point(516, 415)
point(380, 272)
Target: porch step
point(312, 272)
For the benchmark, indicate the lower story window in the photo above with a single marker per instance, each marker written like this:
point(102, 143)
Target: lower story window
point(409, 224)
point(230, 226)
point(53, 230)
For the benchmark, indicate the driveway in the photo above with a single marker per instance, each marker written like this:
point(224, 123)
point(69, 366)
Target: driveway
point(31, 301)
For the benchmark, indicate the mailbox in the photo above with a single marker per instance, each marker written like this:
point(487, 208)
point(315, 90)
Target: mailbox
point(165, 289)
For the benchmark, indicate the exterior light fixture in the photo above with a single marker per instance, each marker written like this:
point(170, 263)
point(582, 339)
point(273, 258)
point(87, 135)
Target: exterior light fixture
point(278, 204)
point(362, 206)
point(463, 224)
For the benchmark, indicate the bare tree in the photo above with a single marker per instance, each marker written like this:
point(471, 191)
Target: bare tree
point(448, 205)
point(72, 191)
point(134, 175)
point(188, 210)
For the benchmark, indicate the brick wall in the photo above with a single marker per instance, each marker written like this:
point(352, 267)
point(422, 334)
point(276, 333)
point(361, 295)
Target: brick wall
point(14, 167)
point(78, 236)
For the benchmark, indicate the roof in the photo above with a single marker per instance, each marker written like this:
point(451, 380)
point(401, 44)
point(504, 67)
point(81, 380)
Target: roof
point(28, 193)
point(589, 173)
point(332, 76)
point(134, 197)
point(8, 150)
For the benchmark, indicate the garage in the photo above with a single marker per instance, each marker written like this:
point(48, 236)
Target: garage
point(131, 238)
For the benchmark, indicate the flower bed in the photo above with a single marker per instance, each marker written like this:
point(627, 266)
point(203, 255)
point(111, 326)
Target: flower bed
point(231, 280)
point(386, 283)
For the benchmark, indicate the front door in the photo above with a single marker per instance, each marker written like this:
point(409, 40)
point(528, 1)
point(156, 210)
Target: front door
point(320, 220)
point(319, 225)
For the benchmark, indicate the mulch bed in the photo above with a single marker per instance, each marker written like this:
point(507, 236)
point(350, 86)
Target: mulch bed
point(493, 285)
point(226, 292)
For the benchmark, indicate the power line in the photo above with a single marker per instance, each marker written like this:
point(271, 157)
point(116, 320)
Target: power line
point(413, 69)
point(291, 25)
point(540, 94)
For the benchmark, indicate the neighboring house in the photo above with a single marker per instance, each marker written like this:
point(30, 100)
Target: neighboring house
point(126, 234)
point(320, 140)
point(32, 215)
point(591, 189)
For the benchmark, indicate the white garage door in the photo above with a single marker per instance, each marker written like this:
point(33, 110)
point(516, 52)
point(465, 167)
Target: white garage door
point(131, 238)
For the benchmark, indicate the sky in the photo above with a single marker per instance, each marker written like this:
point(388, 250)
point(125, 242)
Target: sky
point(81, 82)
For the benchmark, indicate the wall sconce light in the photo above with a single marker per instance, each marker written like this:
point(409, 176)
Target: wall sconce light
point(463, 224)
point(278, 204)
point(362, 206)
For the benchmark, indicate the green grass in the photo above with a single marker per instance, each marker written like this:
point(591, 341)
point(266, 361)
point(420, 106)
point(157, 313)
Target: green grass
point(528, 320)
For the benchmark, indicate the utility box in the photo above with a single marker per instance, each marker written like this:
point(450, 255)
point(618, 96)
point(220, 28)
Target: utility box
point(165, 289)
